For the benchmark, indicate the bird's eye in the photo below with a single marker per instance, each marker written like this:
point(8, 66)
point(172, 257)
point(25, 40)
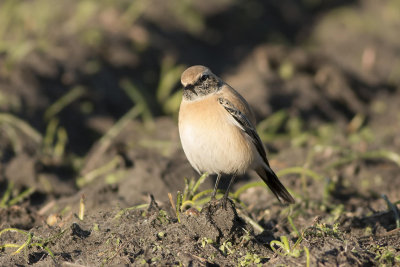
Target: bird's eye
point(204, 77)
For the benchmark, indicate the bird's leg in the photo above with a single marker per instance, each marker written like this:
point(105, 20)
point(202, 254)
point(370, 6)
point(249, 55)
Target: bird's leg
point(216, 187)
point(225, 198)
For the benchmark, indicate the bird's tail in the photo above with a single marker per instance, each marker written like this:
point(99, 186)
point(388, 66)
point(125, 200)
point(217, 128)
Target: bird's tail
point(279, 190)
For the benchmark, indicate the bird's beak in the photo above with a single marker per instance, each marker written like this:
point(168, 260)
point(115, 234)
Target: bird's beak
point(190, 87)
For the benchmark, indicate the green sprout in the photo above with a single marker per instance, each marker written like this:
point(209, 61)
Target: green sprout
point(386, 256)
point(191, 197)
point(284, 248)
point(226, 248)
point(250, 259)
point(205, 241)
point(31, 241)
point(7, 201)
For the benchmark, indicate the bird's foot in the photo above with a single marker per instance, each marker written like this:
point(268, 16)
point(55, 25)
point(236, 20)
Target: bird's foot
point(223, 203)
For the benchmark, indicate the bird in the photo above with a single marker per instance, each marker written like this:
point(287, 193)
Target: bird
point(218, 134)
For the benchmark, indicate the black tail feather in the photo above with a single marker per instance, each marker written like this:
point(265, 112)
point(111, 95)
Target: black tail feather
point(279, 190)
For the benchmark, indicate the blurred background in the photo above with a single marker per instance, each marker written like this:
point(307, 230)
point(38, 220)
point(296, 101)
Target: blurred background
point(89, 91)
point(89, 98)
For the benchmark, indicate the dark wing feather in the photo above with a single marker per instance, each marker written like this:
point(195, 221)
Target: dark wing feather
point(245, 125)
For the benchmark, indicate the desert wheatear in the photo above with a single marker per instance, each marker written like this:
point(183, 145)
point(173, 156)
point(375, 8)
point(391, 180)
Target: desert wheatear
point(217, 131)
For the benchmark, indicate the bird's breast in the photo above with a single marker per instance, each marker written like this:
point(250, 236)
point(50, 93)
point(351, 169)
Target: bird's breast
point(211, 141)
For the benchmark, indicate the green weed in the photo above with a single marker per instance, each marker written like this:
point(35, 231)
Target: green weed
point(7, 200)
point(123, 211)
point(375, 154)
point(226, 248)
point(9, 120)
point(190, 197)
point(94, 174)
point(103, 144)
point(284, 248)
point(251, 259)
point(71, 96)
point(323, 230)
point(205, 241)
point(140, 102)
point(386, 256)
point(31, 241)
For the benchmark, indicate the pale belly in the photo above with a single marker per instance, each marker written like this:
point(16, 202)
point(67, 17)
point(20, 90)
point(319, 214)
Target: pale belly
point(216, 146)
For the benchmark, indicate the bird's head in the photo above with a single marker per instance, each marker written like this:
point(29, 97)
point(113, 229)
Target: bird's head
point(198, 82)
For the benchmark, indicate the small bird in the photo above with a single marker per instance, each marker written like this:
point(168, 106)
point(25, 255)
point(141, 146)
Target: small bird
point(218, 134)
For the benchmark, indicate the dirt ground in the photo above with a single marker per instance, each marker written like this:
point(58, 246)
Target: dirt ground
point(92, 172)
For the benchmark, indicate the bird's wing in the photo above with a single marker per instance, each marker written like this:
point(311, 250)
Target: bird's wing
point(266, 173)
point(245, 125)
